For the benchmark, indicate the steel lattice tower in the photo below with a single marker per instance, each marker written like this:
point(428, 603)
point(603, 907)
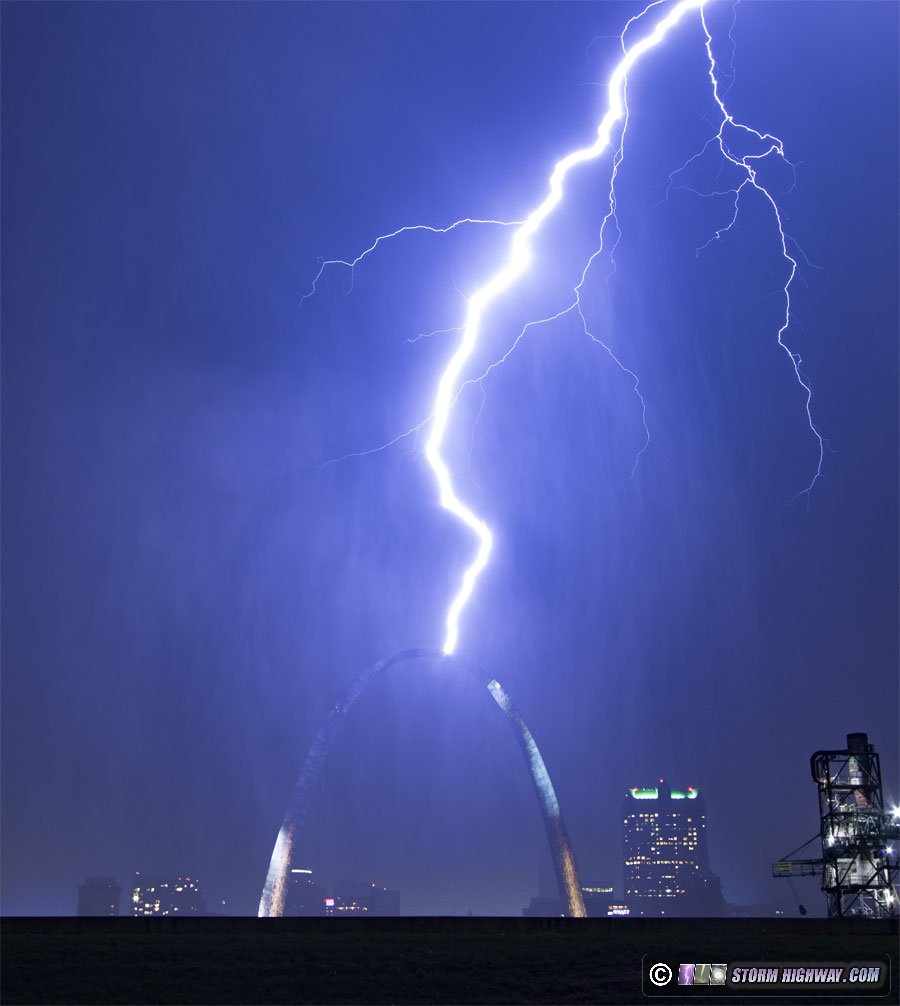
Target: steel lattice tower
point(859, 865)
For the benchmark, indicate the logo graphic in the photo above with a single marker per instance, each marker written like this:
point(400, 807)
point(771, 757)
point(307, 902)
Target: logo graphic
point(796, 976)
point(702, 974)
point(660, 974)
point(685, 974)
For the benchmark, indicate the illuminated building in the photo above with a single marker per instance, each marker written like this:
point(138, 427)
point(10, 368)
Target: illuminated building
point(352, 897)
point(598, 898)
point(304, 896)
point(152, 896)
point(666, 858)
point(99, 896)
point(599, 903)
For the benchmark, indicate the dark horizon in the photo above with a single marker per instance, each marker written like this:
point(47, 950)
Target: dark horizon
point(188, 587)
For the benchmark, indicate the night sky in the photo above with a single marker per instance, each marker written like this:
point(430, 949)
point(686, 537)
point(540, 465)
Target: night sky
point(186, 593)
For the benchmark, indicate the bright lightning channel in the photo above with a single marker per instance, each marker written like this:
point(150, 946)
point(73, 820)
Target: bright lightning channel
point(517, 263)
point(450, 386)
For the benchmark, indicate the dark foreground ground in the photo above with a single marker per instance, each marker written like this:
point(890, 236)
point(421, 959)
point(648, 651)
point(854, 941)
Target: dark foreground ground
point(407, 960)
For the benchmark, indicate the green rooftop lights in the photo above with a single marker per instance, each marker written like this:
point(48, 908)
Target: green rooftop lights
point(644, 794)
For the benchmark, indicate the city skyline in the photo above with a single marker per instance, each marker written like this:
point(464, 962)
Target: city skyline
point(665, 865)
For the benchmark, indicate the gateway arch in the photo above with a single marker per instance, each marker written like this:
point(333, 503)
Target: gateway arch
point(271, 904)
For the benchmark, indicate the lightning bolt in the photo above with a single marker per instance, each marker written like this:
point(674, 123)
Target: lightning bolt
point(352, 264)
point(516, 265)
point(451, 384)
point(748, 165)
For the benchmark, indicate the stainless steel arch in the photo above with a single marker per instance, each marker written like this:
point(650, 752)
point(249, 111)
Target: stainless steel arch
point(273, 896)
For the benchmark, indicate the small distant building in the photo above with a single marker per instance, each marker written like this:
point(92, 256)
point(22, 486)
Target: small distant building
point(547, 905)
point(155, 896)
point(385, 901)
point(353, 897)
point(758, 910)
point(305, 897)
point(99, 896)
point(543, 908)
point(599, 899)
point(666, 859)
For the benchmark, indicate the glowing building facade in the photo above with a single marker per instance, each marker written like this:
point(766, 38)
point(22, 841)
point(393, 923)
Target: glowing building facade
point(666, 861)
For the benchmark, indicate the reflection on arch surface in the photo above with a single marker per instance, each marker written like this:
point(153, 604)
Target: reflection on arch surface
point(272, 901)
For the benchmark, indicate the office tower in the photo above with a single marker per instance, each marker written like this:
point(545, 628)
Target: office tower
point(304, 896)
point(666, 861)
point(99, 896)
